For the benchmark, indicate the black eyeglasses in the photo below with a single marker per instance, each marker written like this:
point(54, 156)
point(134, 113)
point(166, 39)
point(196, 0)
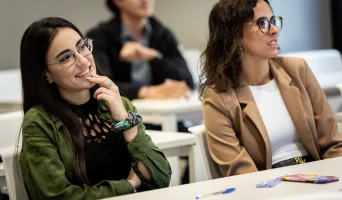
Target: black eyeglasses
point(67, 59)
point(265, 24)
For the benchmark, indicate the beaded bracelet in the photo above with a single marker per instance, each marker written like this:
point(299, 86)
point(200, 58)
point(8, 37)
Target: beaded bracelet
point(132, 120)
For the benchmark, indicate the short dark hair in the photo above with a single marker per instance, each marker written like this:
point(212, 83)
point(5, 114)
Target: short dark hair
point(112, 7)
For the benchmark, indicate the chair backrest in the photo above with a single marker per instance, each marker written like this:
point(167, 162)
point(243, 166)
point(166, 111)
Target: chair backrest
point(210, 168)
point(10, 124)
point(338, 116)
point(327, 67)
point(325, 64)
point(192, 58)
point(10, 85)
point(14, 180)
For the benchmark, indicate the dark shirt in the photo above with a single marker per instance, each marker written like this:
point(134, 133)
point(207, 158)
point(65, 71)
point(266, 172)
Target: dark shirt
point(107, 47)
point(47, 155)
point(141, 70)
point(107, 156)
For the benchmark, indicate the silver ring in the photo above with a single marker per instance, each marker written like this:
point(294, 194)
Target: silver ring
point(110, 83)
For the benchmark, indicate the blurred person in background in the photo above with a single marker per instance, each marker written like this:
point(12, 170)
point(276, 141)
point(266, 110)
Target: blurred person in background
point(140, 54)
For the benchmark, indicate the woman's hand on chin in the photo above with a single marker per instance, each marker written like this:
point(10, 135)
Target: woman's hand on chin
point(109, 92)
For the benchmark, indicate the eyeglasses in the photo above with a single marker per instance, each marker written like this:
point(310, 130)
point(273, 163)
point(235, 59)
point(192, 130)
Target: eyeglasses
point(68, 59)
point(265, 24)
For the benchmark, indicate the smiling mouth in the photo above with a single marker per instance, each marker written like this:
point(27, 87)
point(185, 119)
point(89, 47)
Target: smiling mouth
point(84, 73)
point(273, 42)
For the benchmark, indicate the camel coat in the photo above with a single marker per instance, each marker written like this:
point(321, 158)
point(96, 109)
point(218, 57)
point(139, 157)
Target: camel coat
point(237, 138)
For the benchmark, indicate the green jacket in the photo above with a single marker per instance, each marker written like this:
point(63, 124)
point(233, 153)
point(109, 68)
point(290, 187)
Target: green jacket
point(47, 152)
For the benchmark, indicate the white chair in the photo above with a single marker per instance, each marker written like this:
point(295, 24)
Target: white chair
point(325, 64)
point(10, 124)
point(338, 116)
point(327, 67)
point(10, 86)
point(15, 184)
point(210, 168)
point(192, 58)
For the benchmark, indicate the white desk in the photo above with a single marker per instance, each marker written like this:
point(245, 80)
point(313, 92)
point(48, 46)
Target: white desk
point(168, 112)
point(173, 143)
point(313, 196)
point(245, 184)
point(6, 107)
point(176, 144)
point(2, 176)
point(170, 143)
point(2, 171)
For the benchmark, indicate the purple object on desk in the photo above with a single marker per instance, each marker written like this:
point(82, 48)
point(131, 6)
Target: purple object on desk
point(310, 178)
point(270, 183)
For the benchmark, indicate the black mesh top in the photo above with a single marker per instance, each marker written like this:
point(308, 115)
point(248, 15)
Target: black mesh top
point(107, 156)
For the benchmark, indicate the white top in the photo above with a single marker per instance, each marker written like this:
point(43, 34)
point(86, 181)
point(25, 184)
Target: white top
point(282, 133)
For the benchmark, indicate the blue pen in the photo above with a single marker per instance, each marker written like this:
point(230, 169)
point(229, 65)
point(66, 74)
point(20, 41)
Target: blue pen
point(226, 191)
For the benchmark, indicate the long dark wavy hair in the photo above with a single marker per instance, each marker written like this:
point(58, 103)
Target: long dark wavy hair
point(221, 59)
point(37, 91)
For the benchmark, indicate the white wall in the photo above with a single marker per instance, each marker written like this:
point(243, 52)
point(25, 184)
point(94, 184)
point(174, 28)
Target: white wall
point(187, 18)
point(21, 13)
point(6, 29)
point(306, 22)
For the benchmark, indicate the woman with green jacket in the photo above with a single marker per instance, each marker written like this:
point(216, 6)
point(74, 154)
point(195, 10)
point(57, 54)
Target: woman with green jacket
point(81, 139)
